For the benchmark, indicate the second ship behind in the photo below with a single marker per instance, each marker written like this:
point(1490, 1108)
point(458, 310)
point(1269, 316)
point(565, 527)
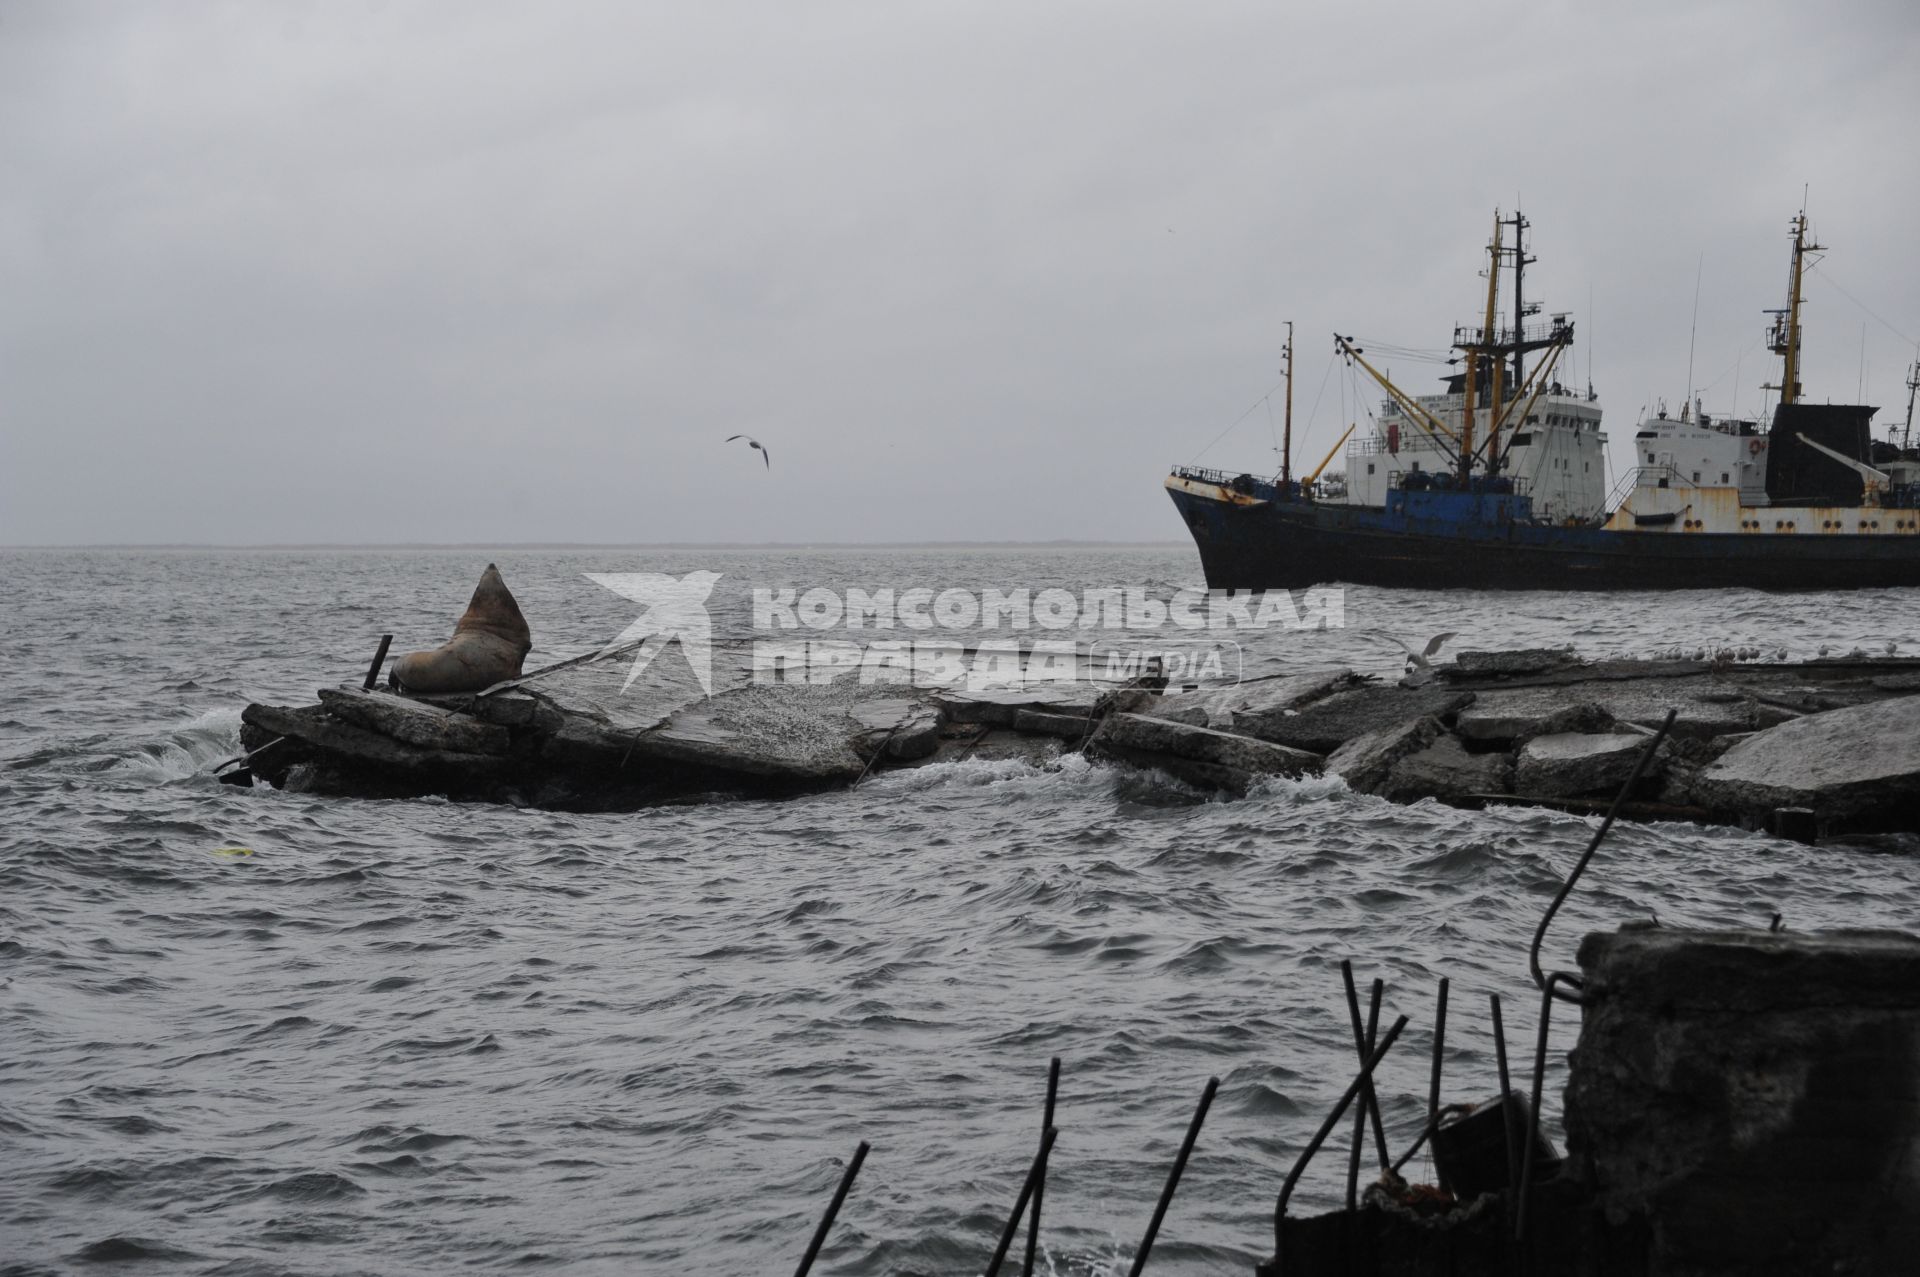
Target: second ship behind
point(1500, 482)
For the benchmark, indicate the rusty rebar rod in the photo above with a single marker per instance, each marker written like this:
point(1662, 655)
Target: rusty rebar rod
point(1506, 1098)
point(1173, 1178)
point(1599, 835)
point(1035, 1173)
point(1525, 1189)
point(1367, 1040)
point(379, 659)
point(1046, 1124)
point(1439, 1055)
point(833, 1209)
point(1362, 1044)
point(1326, 1127)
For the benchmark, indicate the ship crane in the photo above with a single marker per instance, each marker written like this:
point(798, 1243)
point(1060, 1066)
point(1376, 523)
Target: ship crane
point(1487, 349)
point(1877, 480)
point(1427, 421)
point(1535, 385)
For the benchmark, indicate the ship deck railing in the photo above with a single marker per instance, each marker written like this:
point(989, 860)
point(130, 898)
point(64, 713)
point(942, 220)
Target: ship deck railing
point(1646, 477)
point(1412, 439)
point(1517, 485)
point(1225, 478)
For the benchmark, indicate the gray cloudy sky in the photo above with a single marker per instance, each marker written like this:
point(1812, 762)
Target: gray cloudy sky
point(293, 272)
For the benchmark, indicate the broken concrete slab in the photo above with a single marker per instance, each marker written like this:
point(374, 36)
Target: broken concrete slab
point(998, 707)
point(1446, 770)
point(1220, 708)
point(1570, 764)
point(1199, 754)
point(1507, 716)
point(413, 722)
point(1066, 726)
point(1858, 767)
point(902, 728)
point(585, 744)
point(1514, 664)
point(508, 709)
point(761, 731)
point(317, 727)
point(600, 691)
point(1365, 762)
point(1325, 725)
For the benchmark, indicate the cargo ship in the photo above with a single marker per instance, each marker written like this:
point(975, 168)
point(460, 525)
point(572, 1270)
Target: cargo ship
point(1500, 480)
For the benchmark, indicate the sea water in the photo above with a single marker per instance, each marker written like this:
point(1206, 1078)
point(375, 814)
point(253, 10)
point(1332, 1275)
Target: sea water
point(245, 1031)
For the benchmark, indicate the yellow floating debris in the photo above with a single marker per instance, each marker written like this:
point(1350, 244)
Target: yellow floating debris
point(233, 851)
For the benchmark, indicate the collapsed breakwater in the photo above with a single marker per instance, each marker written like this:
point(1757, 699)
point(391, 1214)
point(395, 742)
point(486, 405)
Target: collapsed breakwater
point(1804, 749)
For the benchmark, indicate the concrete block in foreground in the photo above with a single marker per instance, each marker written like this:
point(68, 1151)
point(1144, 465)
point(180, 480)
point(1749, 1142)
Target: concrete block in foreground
point(1754, 1097)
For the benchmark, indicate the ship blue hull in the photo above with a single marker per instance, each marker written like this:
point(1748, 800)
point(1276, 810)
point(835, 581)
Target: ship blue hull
point(1291, 543)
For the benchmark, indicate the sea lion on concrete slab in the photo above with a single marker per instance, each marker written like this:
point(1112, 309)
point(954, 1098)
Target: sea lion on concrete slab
point(487, 646)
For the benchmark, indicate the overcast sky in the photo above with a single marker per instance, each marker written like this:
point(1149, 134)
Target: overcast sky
point(365, 272)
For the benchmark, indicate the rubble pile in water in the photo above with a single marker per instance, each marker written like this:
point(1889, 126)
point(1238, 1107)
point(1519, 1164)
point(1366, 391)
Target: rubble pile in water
point(1811, 748)
point(1806, 749)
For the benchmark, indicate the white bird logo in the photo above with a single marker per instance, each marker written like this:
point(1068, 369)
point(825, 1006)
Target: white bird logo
point(673, 608)
point(757, 445)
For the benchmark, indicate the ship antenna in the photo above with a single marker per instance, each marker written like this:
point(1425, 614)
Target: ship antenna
point(1699, 268)
point(1589, 341)
point(1913, 384)
point(1519, 301)
point(1286, 444)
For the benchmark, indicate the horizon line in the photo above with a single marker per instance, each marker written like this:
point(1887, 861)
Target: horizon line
point(584, 545)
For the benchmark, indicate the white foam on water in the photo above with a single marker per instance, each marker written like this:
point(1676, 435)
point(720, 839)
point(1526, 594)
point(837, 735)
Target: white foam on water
point(187, 750)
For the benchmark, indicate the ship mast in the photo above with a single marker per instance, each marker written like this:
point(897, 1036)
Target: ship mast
point(1482, 353)
point(1491, 345)
point(1519, 223)
point(1286, 440)
point(1913, 384)
point(1784, 338)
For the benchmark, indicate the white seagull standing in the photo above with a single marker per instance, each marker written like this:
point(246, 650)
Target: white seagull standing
point(755, 444)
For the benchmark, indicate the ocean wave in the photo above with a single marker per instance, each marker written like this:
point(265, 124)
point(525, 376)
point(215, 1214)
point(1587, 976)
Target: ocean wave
point(185, 751)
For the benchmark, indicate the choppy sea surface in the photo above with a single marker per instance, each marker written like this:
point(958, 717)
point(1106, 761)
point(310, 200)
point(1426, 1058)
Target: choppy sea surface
point(412, 1037)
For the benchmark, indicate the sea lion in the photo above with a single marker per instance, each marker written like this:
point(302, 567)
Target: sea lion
point(487, 646)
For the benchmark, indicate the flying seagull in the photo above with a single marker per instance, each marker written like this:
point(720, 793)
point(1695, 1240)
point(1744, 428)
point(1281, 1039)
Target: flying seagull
point(1419, 666)
point(755, 443)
